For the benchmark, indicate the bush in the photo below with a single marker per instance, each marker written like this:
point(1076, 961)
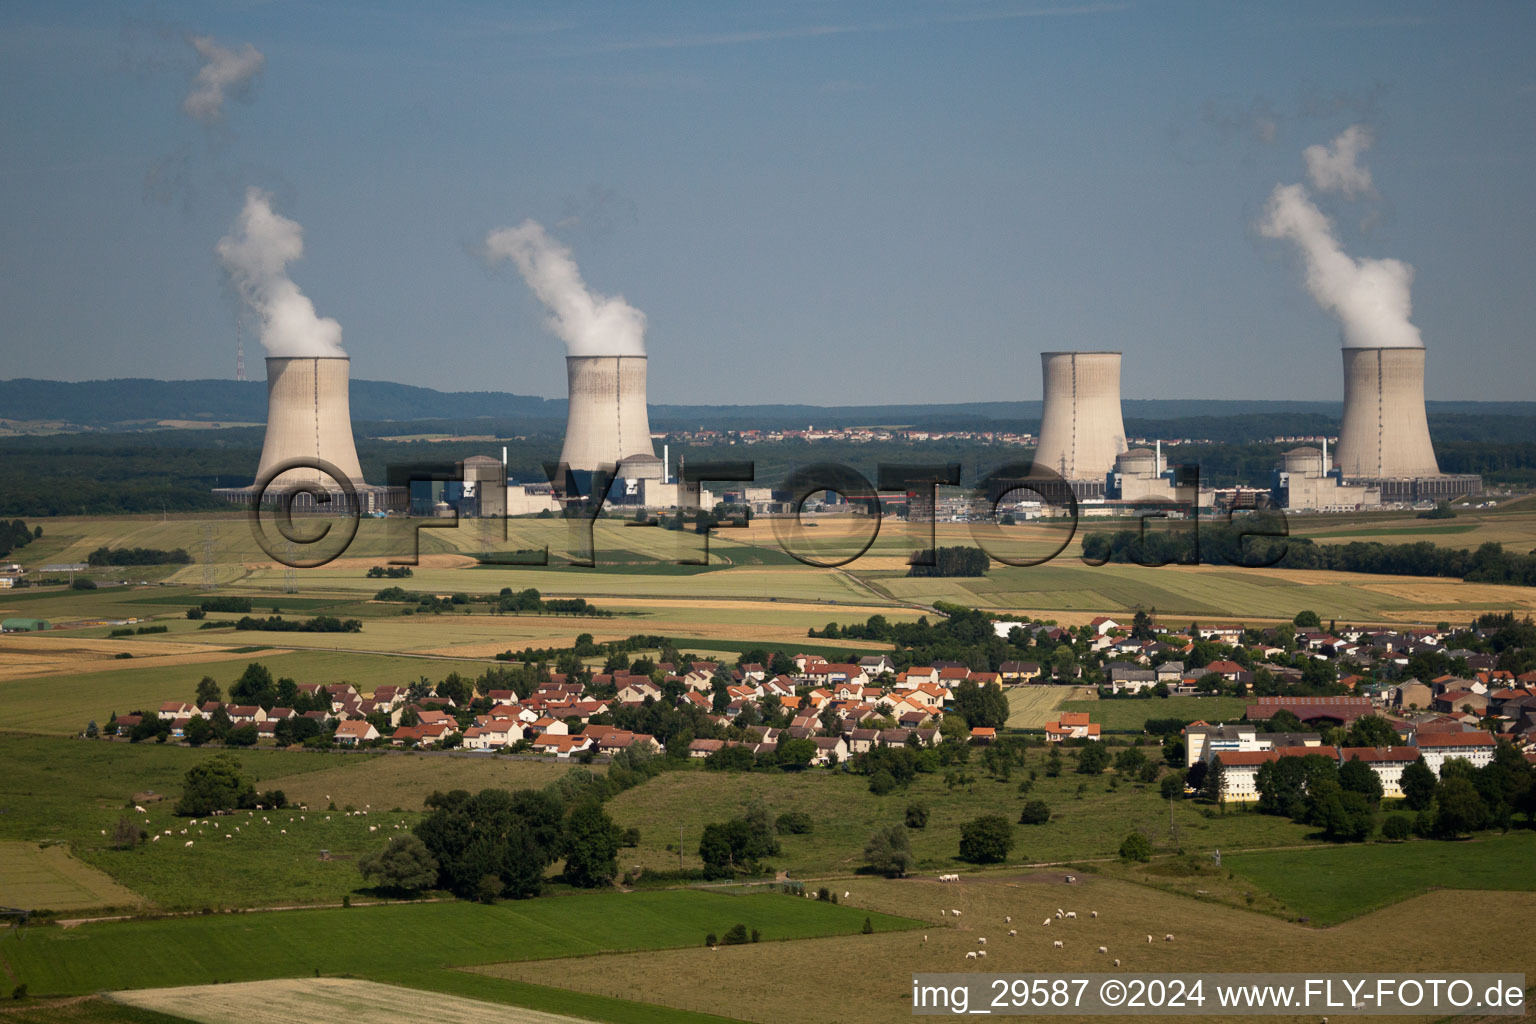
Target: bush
point(196, 613)
point(710, 940)
point(986, 840)
point(737, 935)
point(882, 782)
point(1136, 847)
point(917, 815)
point(81, 583)
point(1036, 812)
point(1396, 828)
point(869, 928)
point(793, 823)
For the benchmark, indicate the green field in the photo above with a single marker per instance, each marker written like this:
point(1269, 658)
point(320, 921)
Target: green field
point(1130, 714)
point(382, 942)
point(1338, 883)
point(844, 814)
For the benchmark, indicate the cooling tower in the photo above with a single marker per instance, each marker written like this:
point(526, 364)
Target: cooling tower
point(608, 422)
point(1081, 431)
point(309, 416)
point(1384, 433)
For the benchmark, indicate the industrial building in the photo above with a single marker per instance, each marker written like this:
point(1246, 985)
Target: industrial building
point(1081, 430)
point(1306, 481)
point(309, 417)
point(1140, 476)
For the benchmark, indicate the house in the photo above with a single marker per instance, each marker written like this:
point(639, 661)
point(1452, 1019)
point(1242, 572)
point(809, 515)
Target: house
point(1102, 624)
point(953, 676)
point(1439, 747)
point(174, 709)
point(1169, 672)
point(874, 665)
point(562, 746)
point(861, 741)
point(703, 748)
point(246, 714)
point(982, 734)
point(1019, 671)
point(1461, 700)
point(493, 735)
point(1128, 677)
point(637, 690)
point(1387, 762)
point(1339, 710)
point(829, 750)
point(1073, 725)
point(350, 734)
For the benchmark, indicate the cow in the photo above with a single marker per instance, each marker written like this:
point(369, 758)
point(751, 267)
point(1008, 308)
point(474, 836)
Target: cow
point(1056, 944)
point(1168, 937)
point(1103, 949)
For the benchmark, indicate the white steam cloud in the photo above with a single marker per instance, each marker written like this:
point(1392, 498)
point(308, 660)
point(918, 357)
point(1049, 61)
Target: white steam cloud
point(1372, 298)
point(256, 255)
point(1338, 169)
point(224, 72)
point(590, 324)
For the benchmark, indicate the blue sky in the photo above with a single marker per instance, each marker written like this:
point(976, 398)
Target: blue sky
point(811, 202)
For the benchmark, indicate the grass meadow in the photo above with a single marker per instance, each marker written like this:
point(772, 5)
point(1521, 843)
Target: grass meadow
point(1337, 883)
point(384, 940)
point(1130, 714)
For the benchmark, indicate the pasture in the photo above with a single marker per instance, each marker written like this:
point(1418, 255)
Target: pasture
point(1335, 884)
point(34, 876)
point(748, 982)
point(375, 941)
point(844, 813)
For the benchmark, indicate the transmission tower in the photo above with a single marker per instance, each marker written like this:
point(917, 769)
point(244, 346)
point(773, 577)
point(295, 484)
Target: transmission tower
point(240, 348)
point(290, 574)
point(210, 578)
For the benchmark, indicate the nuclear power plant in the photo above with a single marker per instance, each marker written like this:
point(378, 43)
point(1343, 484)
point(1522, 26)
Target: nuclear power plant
point(608, 426)
point(1081, 430)
point(1384, 452)
point(309, 417)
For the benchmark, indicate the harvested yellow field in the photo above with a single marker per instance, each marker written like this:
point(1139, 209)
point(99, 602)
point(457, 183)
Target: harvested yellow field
point(335, 1000)
point(24, 656)
point(1030, 707)
point(747, 982)
point(37, 877)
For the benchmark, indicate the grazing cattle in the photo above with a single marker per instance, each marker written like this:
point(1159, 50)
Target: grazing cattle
point(1103, 949)
point(1149, 938)
point(1056, 944)
point(1168, 937)
point(981, 941)
point(188, 843)
point(955, 912)
point(925, 938)
point(945, 913)
point(1013, 931)
point(981, 953)
point(1071, 915)
point(1046, 922)
point(1093, 913)
point(1117, 963)
point(139, 809)
point(156, 839)
point(970, 956)
point(1007, 919)
point(846, 893)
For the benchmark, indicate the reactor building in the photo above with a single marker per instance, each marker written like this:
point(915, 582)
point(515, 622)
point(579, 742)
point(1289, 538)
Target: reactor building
point(1081, 430)
point(309, 418)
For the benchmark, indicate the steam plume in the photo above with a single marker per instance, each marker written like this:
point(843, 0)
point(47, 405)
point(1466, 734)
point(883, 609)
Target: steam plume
point(1372, 298)
point(256, 255)
point(1338, 169)
point(589, 323)
point(224, 71)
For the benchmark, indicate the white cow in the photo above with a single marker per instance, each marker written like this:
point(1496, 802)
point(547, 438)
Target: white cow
point(1168, 937)
point(139, 810)
point(1149, 938)
point(1056, 944)
point(955, 912)
point(970, 956)
point(1046, 922)
point(1071, 915)
point(187, 843)
point(1013, 931)
point(1103, 949)
point(981, 941)
point(1007, 919)
point(1117, 963)
point(1093, 913)
point(981, 953)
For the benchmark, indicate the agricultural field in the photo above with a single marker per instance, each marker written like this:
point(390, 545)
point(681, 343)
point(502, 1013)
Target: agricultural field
point(34, 875)
point(377, 941)
point(1030, 707)
point(748, 982)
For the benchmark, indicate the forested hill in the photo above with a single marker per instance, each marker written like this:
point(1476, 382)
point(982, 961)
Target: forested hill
point(140, 403)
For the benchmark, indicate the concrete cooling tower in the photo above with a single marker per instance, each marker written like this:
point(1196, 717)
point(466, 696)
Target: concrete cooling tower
point(1384, 432)
point(608, 422)
point(1081, 431)
point(309, 417)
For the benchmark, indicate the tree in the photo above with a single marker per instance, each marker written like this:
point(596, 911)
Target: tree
point(592, 843)
point(1036, 812)
point(1397, 827)
point(241, 736)
point(215, 785)
point(403, 865)
point(882, 782)
point(793, 823)
point(1141, 625)
point(1130, 761)
point(1344, 816)
point(508, 837)
point(1418, 785)
point(1136, 847)
point(255, 686)
point(1215, 780)
point(917, 815)
point(1093, 760)
point(1355, 776)
point(1459, 808)
point(208, 691)
point(1307, 619)
point(125, 834)
point(198, 731)
point(1053, 763)
point(1172, 785)
point(982, 707)
point(1371, 731)
point(986, 840)
point(889, 852)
